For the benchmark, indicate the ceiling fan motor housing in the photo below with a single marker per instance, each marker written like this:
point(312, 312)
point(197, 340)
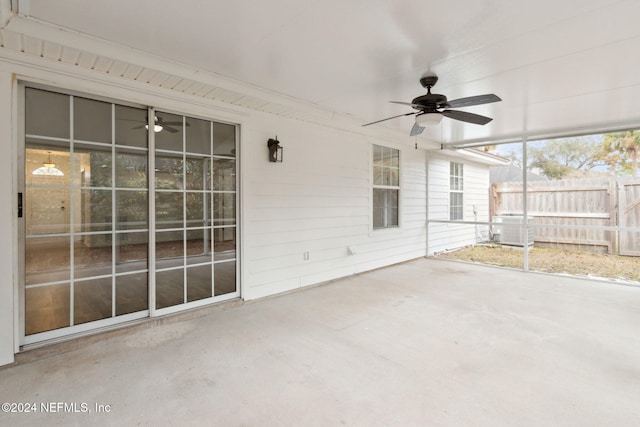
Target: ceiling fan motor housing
point(430, 100)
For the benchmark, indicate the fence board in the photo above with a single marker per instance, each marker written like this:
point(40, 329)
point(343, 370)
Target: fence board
point(570, 202)
point(630, 217)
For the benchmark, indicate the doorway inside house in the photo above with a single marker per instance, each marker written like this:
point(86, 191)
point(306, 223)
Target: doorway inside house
point(128, 212)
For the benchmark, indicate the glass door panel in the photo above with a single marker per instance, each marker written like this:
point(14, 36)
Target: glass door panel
point(132, 292)
point(92, 300)
point(47, 308)
point(77, 179)
point(169, 288)
point(224, 277)
point(199, 280)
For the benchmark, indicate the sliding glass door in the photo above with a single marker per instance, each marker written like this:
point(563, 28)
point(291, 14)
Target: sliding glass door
point(95, 213)
point(195, 210)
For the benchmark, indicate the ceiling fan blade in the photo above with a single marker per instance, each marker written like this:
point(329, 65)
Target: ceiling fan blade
point(473, 100)
point(407, 103)
point(389, 118)
point(464, 116)
point(416, 129)
point(139, 127)
point(169, 129)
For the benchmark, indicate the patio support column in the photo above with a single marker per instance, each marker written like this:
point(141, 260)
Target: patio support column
point(525, 208)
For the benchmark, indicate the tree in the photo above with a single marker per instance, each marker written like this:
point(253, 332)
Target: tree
point(621, 151)
point(558, 159)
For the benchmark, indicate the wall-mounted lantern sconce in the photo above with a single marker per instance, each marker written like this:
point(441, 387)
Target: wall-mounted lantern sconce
point(275, 150)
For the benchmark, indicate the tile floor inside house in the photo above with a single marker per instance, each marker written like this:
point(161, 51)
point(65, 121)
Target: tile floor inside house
point(427, 342)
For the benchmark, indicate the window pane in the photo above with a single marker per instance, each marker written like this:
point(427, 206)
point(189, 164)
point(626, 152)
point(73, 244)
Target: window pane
point(169, 249)
point(392, 217)
point(224, 209)
point(92, 300)
point(131, 210)
point(131, 252)
point(92, 166)
point(377, 155)
point(395, 177)
point(392, 208)
point(385, 208)
point(198, 247)
point(169, 288)
point(224, 243)
point(199, 282)
point(131, 169)
point(224, 275)
point(455, 179)
point(130, 126)
point(47, 164)
point(47, 308)
point(47, 113)
point(169, 172)
point(198, 136)
point(395, 159)
point(195, 209)
point(386, 157)
point(224, 140)
point(92, 256)
point(48, 210)
point(197, 172)
point(170, 137)
point(95, 211)
point(378, 217)
point(47, 260)
point(92, 120)
point(378, 173)
point(131, 293)
point(455, 206)
point(224, 174)
point(169, 209)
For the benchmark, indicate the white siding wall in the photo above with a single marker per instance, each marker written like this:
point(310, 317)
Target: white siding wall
point(319, 201)
point(443, 237)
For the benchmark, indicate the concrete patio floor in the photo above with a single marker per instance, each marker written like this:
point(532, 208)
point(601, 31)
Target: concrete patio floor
point(424, 343)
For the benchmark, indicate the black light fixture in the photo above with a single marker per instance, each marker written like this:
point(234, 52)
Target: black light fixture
point(275, 150)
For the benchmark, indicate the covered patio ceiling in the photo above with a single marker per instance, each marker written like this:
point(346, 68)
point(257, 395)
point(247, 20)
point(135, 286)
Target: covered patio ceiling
point(560, 66)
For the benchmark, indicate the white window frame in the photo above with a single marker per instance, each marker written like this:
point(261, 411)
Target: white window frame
point(386, 176)
point(456, 191)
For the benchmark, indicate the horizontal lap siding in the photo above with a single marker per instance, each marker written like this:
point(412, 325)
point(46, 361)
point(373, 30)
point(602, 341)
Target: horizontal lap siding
point(318, 200)
point(444, 237)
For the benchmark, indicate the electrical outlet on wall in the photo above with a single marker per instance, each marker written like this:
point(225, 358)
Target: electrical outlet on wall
point(305, 255)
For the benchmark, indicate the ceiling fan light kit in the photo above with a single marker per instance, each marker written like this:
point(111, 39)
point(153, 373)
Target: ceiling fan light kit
point(429, 119)
point(431, 107)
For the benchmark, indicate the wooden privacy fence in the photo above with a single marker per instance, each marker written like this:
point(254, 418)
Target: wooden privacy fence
point(629, 217)
point(568, 212)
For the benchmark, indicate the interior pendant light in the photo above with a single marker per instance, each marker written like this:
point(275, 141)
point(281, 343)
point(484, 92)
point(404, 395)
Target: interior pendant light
point(48, 168)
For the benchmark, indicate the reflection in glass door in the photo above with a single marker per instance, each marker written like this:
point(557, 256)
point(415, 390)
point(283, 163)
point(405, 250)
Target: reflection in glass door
point(86, 223)
point(86, 213)
point(195, 181)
